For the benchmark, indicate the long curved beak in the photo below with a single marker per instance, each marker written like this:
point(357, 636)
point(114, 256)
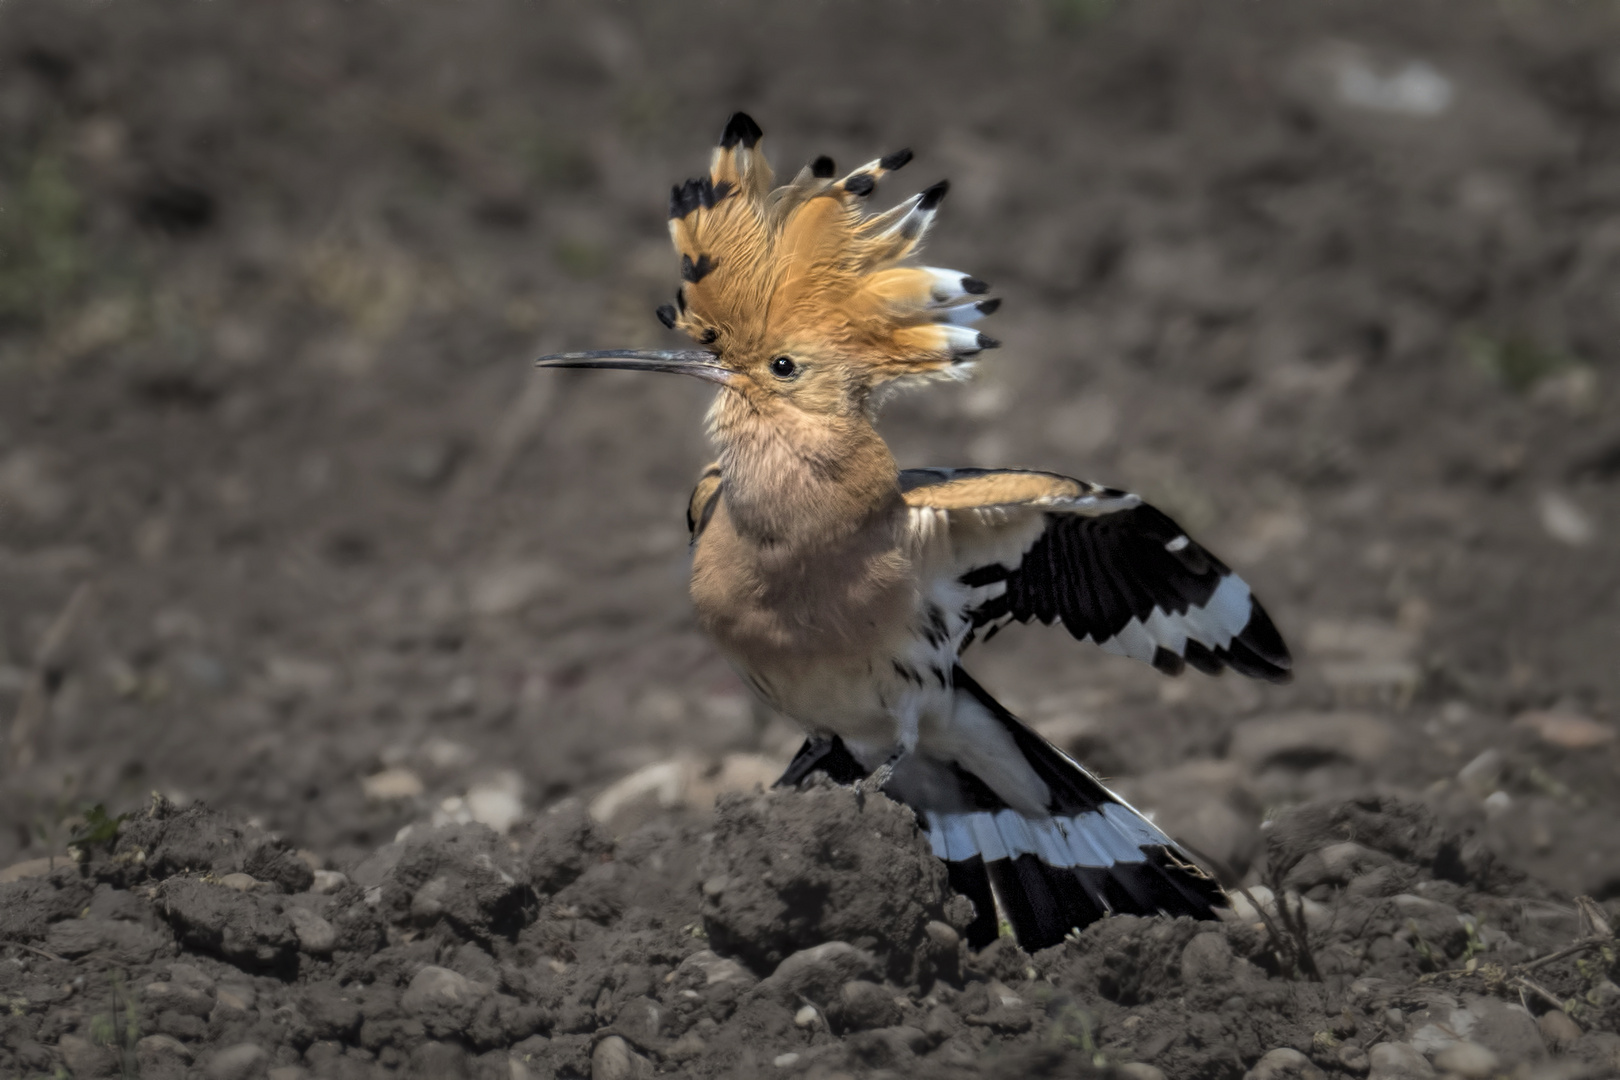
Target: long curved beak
point(705, 365)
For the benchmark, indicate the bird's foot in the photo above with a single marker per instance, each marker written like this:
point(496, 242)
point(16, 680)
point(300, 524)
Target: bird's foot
point(880, 776)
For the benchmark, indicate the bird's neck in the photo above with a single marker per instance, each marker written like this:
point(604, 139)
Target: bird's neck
point(803, 481)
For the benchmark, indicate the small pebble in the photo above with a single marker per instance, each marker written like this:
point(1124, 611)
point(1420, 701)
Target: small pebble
point(1398, 1061)
point(238, 998)
point(1138, 1070)
point(1284, 1063)
point(157, 1052)
point(316, 936)
point(782, 1061)
point(240, 882)
point(436, 987)
point(85, 1058)
point(391, 784)
point(240, 1062)
point(1481, 775)
point(1558, 1031)
point(862, 1006)
point(806, 1016)
point(328, 881)
point(614, 1060)
point(497, 803)
point(1466, 1059)
point(1569, 731)
point(1565, 521)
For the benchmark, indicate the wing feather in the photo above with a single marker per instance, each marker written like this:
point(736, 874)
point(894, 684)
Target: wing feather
point(1112, 569)
point(704, 499)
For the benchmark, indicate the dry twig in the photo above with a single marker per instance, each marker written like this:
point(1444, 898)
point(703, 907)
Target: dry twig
point(36, 949)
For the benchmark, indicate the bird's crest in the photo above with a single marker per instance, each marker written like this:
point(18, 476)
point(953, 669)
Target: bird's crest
point(804, 266)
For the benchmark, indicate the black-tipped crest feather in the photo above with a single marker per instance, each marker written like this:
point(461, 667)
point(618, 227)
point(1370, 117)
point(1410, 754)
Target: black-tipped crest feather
point(740, 129)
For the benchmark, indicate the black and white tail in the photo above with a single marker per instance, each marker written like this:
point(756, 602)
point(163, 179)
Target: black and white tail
point(1090, 855)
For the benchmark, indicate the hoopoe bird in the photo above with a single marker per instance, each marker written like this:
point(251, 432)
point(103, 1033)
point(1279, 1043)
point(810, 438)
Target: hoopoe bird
point(844, 589)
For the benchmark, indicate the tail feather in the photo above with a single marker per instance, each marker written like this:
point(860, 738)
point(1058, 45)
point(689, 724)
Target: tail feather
point(1094, 856)
point(1091, 855)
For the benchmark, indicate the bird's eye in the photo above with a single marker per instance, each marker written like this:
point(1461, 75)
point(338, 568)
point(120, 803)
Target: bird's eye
point(783, 367)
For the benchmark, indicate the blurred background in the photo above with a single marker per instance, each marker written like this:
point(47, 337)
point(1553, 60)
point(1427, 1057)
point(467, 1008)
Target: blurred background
point(288, 524)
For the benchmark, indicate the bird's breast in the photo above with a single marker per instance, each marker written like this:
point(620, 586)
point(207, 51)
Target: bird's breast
point(811, 626)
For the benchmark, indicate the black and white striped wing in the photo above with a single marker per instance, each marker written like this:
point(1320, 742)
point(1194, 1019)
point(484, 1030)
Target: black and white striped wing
point(1114, 570)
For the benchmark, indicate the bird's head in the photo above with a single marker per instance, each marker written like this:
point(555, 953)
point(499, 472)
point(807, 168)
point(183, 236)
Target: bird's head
point(800, 299)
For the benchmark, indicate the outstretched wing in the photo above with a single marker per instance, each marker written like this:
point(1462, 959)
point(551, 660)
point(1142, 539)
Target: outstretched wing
point(1112, 569)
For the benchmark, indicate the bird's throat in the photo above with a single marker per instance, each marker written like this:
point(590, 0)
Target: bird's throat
point(802, 481)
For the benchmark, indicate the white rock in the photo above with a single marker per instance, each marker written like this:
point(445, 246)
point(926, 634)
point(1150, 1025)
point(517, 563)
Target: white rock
point(329, 881)
point(1570, 731)
point(1368, 81)
point(497, 802)
point(1283, 1063)
point(391, 784)
point(1466, 1059)
point(614, 1060)
point(1139, 1070)
point(1432, 1038)
point(662, 783)
point(241, 882)
point(1245, 912)
point(1398, 1061)
point(680, 782)
point(1565, 521)
point(238, 998)
point(1480, 776)
point(717, 969)
point(782, 1061)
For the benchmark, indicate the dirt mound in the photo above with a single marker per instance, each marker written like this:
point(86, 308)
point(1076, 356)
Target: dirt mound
point(806, 934)
point(789, 870)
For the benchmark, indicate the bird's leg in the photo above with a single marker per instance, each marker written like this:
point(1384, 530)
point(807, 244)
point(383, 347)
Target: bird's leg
point(905, 743)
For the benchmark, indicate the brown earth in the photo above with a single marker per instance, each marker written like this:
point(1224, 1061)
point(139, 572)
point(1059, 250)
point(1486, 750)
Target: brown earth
point(289, 528)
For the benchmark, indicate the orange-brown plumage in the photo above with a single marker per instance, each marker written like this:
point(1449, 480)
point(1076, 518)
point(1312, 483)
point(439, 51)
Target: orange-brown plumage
point(803, 271)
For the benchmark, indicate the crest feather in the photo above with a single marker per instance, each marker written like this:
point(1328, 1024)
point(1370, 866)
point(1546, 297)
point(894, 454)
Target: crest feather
point(804, 265)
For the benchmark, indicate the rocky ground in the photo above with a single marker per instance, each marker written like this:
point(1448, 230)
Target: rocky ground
point(798, 933)
point(447, 780)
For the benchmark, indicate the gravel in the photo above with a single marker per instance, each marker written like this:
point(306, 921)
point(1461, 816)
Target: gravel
point(560, 951)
